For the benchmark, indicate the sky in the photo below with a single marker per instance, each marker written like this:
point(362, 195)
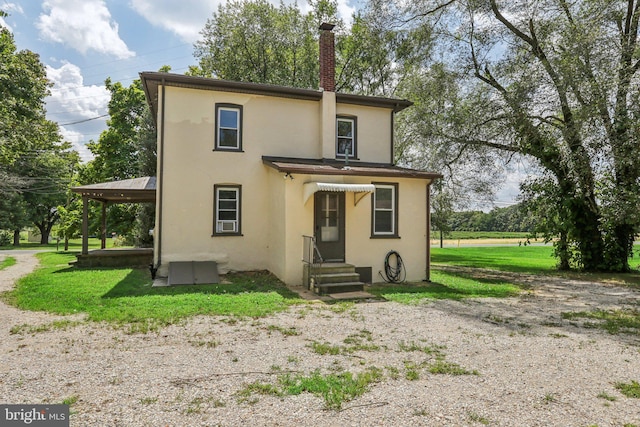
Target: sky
point(83, 42)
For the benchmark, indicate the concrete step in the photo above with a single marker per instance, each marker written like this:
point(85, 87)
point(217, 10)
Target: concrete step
point(337, 277)
point(335, 288)
point(332, 267)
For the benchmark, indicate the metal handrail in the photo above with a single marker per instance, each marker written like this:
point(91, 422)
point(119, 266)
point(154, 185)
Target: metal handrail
point(310, 251)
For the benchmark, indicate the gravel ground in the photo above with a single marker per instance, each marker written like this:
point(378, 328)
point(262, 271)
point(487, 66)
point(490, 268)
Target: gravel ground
point(533, 367)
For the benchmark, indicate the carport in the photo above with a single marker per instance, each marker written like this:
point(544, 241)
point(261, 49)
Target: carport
point(136, 190)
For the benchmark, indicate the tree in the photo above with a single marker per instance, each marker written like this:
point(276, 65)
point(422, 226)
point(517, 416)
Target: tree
point(556, 83)
point(33, 160)
point(117, 151)
point(254, 41)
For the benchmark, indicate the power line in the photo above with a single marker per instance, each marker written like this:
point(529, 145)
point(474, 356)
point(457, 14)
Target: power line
point(83, 121)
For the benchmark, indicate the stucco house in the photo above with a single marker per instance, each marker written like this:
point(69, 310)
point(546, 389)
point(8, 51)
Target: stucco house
point(251, 176)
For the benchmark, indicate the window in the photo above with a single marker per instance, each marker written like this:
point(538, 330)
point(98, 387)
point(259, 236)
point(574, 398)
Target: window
point(384, 222)
point(346, 136)
point(228, 127)
point(227, 210)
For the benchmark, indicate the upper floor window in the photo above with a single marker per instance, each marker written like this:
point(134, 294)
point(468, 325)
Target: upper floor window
point(227, 210)
point(228, 127)
point(385, 211)
point(346, 137)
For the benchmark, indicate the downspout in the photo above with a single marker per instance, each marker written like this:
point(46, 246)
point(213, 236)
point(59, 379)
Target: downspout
point(428, 207)
point(393, 138)
point(160, 185)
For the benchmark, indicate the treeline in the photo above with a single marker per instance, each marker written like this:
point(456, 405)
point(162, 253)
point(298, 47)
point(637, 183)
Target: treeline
point(512, 218)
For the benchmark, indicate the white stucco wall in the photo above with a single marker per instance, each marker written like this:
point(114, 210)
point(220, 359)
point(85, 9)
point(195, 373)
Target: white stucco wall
point(274, 216)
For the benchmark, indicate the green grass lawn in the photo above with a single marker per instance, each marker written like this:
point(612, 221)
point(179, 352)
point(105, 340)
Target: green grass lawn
point(7, 262)
point(446, 285)
point(125, 296)
point(531, 259)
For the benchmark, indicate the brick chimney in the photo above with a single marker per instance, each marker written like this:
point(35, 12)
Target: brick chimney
point(327, 58)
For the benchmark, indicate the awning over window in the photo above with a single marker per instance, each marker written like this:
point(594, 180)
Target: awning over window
point(359, 190)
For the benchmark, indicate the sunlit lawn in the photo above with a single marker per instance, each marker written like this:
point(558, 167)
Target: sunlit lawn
point(125, 295)
point(530, 259)
point(446, 285)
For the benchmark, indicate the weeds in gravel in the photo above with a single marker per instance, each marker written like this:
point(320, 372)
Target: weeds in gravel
point(433, 349)
point(287, 332)
point(148, 400)
point(34, 329)
point(441, 366)
point(604, 395)
point(475, 418)
point(411, 371)
point(70, 400)
point(7, 262)
point(354, 342)
point(625, 321)
point(335, 389)
point(631, 389)
point(325, 348)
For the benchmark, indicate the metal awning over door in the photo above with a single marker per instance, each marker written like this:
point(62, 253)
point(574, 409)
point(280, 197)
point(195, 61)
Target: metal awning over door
point(359, 190)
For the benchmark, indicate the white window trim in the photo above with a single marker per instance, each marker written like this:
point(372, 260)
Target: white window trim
point(394, 215)
point(219, 127)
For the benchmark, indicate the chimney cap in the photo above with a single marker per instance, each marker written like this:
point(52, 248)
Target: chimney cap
point(327, 27)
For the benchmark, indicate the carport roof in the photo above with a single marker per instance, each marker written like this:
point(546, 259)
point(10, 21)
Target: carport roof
point(136, 190)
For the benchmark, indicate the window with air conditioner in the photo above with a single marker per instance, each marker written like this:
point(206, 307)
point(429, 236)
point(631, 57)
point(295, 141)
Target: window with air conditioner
point(227, 210)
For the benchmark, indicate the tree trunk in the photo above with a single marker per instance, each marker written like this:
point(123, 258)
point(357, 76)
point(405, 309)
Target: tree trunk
point(16, 237)
point(563, 253)
point(441, 239)
point(66, 244)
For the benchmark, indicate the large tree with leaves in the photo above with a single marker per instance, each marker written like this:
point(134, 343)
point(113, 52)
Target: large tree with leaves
point(254, 41)
point(125, 150)
point(34, 163)
point(555, 82)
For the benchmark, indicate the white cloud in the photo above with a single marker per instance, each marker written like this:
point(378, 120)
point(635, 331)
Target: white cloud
point(71, 102)
point(78, 143)
point(10, 8)
point(191, 17)
point(186, 21)
point(83, 25)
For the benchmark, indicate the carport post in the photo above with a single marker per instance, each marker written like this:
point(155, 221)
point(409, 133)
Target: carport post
point(103, 240)
point(85, 225)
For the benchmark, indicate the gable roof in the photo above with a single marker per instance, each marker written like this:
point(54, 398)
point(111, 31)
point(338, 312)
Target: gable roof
point(151, 81)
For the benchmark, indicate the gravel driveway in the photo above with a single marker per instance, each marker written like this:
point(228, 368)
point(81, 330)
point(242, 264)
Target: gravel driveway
point(525, 365)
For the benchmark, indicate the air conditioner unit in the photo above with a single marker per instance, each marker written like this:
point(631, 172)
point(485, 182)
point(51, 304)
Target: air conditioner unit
point(227, 226)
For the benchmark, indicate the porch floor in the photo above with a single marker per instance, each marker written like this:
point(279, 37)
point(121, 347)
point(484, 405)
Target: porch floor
point(115, 257)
